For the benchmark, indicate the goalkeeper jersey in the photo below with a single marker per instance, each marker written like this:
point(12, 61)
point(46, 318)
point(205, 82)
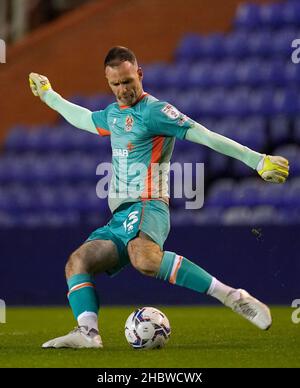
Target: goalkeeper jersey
point(142, 141)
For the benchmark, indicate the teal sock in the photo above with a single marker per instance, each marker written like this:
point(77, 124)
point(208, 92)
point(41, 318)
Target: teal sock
point(179, 270)
point(82, 294)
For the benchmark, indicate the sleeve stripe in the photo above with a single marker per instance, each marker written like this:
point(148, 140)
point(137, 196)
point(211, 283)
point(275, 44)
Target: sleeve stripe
point(103, 132)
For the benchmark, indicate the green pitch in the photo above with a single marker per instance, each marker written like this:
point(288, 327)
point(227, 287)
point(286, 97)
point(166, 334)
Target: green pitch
point(201, 337)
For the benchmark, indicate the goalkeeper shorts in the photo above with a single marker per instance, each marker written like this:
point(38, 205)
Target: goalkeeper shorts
point(150, 216)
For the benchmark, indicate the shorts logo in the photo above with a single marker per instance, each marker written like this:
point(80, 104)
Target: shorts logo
point(171, 112)
point(128, 123)
point(130, 221)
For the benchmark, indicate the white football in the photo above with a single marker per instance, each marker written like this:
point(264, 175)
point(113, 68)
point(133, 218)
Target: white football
point(147, 328)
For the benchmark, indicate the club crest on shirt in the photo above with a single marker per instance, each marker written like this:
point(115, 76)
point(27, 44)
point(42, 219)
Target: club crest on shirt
point(128, 123)
point(170, 111)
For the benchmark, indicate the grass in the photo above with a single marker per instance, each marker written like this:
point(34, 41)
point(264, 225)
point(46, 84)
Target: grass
point(201, 337)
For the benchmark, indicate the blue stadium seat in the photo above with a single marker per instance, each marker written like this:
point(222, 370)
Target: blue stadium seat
point(224, 73)
point(296, 131)
point(273, 195)
point(189, 103)
point(234, 44)
point(291, 199)
point(273, 72)
point(175, 76)
point(247, 192)
point(211, 103)
point(279, 130)
point(282, 42)
point(15, 139)
point(286, 101)
point(249, 72)
point(200, 75)
point(291, 13)
point(237, 215)
point(292, 74)
point(217, 164)
point(247, 16)
point(47, 198)
point(212, 46)
point(236, 102)
point(261, 102)
point(7, 220)
point(188, 47)
point(154, 75)
point(271, 15)
point(208, 216)
point(220, 193)
point(264, 215)
point(259, 43)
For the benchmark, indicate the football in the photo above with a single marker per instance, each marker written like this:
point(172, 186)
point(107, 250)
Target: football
point(147, 328)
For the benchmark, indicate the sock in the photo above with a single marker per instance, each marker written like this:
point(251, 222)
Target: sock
point(83, 299)
point(88, 319)
point(182, 272)
point(219, 290)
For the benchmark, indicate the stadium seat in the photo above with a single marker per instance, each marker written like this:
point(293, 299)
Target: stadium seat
point(234, 44)
point(220, 193)
point(247, 192)
point(236, 215)
point(247, 16)
point(271, 15)
point(249, 72)
point(291, 13)
point(279, 130)
point(224, 73)
point(264, 215)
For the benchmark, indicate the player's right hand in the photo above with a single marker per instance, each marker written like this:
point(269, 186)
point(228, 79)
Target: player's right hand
point(39, 84)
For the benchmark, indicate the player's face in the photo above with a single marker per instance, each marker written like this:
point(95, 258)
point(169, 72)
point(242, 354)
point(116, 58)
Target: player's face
point(125, 82)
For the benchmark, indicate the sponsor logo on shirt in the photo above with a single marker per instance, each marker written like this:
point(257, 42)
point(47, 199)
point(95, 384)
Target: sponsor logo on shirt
point(120, 152)
point(171, 112)
point(128, 123)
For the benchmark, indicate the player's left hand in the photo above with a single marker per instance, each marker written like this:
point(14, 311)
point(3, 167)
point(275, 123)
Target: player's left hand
point(39, 84)
point(274, 169)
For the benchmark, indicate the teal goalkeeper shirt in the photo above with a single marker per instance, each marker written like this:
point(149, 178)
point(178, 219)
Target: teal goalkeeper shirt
point(142, 141)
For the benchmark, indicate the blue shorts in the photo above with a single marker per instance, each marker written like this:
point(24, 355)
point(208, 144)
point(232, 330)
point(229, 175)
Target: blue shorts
point(150, 216)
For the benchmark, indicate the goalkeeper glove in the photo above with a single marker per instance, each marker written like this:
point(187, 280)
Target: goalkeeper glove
point(273, 169)
point(39, 84)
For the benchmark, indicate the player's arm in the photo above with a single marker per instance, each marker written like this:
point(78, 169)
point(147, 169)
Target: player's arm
point(164, 119)
point(76, 115)
point(270, 168)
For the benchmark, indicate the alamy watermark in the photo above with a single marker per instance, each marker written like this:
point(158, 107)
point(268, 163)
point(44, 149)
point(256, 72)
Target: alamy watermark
point(2, 311)
point(138, 180)
point(296, 52)
point(2, 51)
point(296, 314)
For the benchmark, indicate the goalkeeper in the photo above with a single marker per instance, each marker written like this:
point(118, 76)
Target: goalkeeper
point(143, 131)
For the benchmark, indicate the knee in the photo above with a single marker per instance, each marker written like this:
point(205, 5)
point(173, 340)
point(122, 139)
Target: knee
point(75, 264)
point(145, 256)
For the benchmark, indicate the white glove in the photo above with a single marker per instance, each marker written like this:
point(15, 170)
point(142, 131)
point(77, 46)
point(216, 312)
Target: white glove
point(39, 84)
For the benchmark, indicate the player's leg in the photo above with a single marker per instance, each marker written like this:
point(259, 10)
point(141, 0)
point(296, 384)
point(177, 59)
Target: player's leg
point(93, 257)
point(147, 256)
